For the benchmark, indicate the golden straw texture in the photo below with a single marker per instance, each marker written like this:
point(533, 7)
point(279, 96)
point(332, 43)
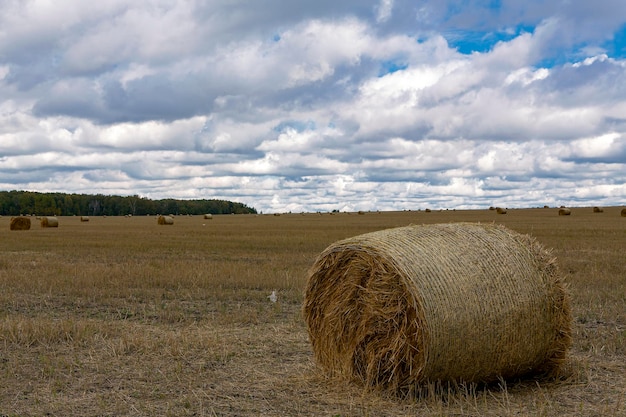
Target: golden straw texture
point(20, 223)
point(165, 220)
point(459, 302)
point(49, 221)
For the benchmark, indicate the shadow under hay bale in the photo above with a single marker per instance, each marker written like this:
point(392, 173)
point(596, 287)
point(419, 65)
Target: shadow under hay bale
point(49, 221)
point(458, 302)
point(19, 223)
point(165, 220)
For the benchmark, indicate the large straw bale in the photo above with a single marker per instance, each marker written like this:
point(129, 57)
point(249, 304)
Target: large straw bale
point(208, 216)
point(500, 210)
point(165, 220)
point(565, 212)
point(20, 223)
point(461, 302)
point(84, 218)
point(49, 221)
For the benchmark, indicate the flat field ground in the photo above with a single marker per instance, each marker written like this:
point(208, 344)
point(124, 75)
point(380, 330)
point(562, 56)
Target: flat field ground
point(121, 316)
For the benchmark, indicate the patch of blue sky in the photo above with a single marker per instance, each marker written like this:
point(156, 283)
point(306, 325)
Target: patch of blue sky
point(297, 125)
point(613, 48)
point(616, 47)
point(391, 66)
point(468, 42)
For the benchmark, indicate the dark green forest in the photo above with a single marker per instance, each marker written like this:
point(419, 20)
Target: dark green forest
point(14, 203)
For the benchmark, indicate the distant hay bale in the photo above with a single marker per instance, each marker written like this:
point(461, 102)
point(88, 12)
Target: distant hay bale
point(84, 218)
point(427, 210)
point(49, 221)
point(623, 212)
point(564, 212)
point(461, 302)
point(165, 220)
point(492, 208)
point(208, 216)
point(20, 223)
point(500, 210)
point(598, 210)
point(361, 212)
point(546, 206)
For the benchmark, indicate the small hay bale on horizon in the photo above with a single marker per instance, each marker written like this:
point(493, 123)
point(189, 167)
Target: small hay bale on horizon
point(462, 302)
point(165, 220)
point(208, 216)
point(500, 210)
point(19, 223)
point(598, 210)
point(49, 221)
point(84, 218)
point(623, 212)
point(565, 212)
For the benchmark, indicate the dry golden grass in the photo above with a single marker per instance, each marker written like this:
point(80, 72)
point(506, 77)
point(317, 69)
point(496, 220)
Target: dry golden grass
point(120, 316)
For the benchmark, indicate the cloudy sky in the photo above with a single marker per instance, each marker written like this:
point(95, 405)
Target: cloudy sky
point(317, 105)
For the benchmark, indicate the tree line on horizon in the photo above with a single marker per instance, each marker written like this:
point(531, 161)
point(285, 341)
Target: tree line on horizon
point(15, 203)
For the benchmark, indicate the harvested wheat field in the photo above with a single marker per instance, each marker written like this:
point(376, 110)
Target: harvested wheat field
point(126, 317)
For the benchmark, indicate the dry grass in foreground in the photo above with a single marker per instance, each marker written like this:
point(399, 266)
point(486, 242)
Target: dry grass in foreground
point(122, 316)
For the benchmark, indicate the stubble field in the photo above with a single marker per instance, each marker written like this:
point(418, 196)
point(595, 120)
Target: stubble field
point(121, 316)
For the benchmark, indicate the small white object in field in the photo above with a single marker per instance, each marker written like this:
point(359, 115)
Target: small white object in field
point(273, 297)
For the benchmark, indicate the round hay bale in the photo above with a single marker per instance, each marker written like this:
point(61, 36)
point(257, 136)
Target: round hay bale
point(500, 210)
point(84, 218)
point(623, 212)
point(165, 220)
point(19, 223)
point(443, 302)
point(208, 216)
point(49, 221)
point(598, 210)
point(564, 212)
